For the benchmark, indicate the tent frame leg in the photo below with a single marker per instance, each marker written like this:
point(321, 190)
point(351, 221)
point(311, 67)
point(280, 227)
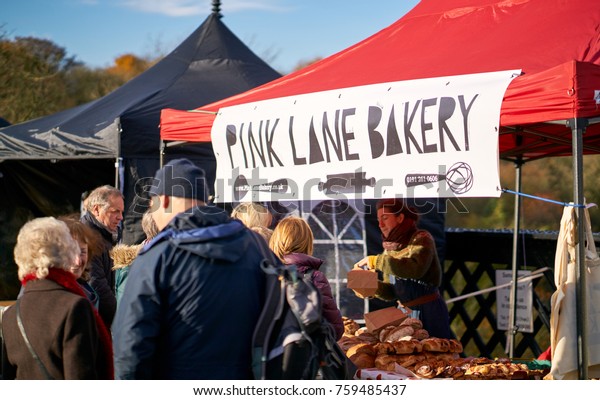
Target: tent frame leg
point(163, 147)
point(578, 126)
point(513, 328)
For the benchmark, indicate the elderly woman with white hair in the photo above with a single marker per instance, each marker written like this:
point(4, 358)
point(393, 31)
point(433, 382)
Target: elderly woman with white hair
point(52, 331)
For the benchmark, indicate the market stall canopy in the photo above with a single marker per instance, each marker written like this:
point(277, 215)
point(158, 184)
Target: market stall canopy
point(555, 43)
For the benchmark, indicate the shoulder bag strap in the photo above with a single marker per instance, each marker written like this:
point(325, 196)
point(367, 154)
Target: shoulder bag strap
point(2, 308)
point(33, 353)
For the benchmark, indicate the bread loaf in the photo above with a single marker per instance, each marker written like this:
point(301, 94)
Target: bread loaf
point(398, 333)
point(363, 360)
point(350, 325)
point(420, 334)
point(385, 362)
point(360, 331)
point(385, 331)
point(407, 346)
point(367, 337)
point(361, 348)
point(384, 348)
point(436, 345)
point(413, 323)
point(346, 342)
point(455, 346)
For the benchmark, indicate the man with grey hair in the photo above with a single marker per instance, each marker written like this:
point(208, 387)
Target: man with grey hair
point(104, 209)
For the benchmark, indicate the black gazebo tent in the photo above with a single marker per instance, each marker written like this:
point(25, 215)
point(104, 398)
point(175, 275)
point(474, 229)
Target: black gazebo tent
point(47, 163)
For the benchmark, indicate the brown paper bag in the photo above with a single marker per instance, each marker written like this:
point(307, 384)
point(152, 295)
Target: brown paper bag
point(363, 282)
point(377, 320)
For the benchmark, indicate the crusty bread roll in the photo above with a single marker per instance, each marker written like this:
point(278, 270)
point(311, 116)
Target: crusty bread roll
point(346, 342)
point(409, 360)
point(384, 348)
point(404, 347)
point(455, 346)
point(438, 345)
point(361, 348)
point(442, 345)
point(412, 322)
point(385, 331)
point(363, 360)
point(350, 325)
point(360, 331)
point(367, 337)
point(420, 334)
point(385, 362)
point(398, 333)
point(436, 356)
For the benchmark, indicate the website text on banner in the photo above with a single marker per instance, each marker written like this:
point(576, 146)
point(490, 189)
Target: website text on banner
point(435, 137)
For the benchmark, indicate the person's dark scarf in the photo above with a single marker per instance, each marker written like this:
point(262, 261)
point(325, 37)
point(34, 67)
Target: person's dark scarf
point(399, 237)
point(67, 280)
point(111, 237)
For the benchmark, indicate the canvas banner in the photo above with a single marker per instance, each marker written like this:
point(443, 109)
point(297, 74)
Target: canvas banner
point(435, 137)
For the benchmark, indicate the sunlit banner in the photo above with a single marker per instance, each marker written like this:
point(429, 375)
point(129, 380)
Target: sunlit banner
point(425, 138)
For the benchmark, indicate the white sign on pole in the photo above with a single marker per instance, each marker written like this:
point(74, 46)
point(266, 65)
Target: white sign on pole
point(435, 137)
point(524, 300)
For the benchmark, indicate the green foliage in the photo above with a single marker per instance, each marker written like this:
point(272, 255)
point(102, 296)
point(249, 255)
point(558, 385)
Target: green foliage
point(39, 78)
point(32, 84)
point(550, 179)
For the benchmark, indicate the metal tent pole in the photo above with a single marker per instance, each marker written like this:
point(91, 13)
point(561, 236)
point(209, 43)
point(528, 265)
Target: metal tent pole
point(119, 181)
point(162, 152)
point(512, 313)
point(578, 126)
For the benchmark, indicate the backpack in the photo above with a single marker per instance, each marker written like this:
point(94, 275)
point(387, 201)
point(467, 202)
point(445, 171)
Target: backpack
point(291, 339)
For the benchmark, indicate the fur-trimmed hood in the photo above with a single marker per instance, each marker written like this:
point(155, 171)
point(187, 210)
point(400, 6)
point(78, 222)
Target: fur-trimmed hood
point(123, 254)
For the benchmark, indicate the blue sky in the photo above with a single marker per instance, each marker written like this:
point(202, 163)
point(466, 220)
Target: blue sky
point(282, 32)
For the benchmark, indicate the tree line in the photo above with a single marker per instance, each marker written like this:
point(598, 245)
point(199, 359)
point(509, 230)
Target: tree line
point(40, 78)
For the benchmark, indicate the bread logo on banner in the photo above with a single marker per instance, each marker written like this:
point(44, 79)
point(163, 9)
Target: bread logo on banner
point(349, 182)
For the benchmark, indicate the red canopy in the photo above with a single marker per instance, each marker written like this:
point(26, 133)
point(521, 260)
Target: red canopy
point(556, 43)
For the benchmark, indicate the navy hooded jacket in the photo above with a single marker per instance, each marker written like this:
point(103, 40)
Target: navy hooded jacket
point(192, 299)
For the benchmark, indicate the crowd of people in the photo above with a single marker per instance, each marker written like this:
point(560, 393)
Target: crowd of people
point(182, 304)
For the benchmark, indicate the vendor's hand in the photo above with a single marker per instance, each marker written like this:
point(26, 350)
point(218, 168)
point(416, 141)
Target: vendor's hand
point(362, 264)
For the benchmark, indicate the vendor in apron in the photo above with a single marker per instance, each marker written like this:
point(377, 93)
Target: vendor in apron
point(409, 268)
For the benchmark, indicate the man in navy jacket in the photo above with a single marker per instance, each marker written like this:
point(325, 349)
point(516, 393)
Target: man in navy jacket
point(194, 293)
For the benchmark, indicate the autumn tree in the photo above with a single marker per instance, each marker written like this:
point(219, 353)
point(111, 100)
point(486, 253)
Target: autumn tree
point(129, 66)
point(33, 78)
point(39, 78)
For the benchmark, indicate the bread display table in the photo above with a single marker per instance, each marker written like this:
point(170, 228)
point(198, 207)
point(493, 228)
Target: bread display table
point(405, 351)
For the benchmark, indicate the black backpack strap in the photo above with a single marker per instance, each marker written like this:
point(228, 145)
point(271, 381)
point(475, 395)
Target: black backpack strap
point(270, 316)
point(272, 310)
